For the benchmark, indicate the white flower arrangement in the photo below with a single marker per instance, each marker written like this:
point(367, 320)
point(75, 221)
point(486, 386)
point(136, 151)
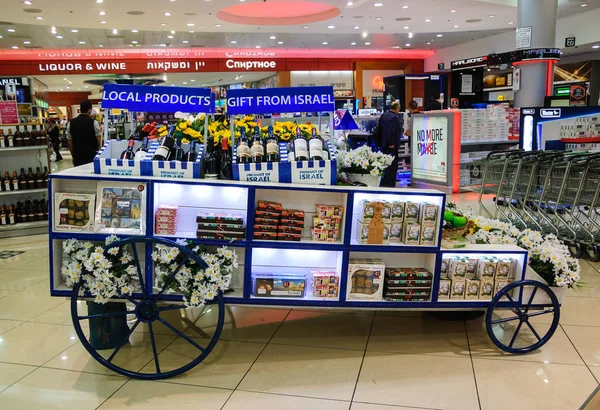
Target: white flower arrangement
point(548, 256)
point(197, 285)
point(110, 273)
point(363, 161)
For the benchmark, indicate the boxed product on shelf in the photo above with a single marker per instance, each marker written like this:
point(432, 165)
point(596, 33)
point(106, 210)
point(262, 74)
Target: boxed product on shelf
point(457, 268)
point(444, 289)
point(407, 284)
point(486, 268)
point(368, 210)
point(397, 211)
point(363, 233)
point(290, 225)
point(173, 169)
point(270, 207)
point(121, 208)
point(323, 172)
point(330, 211)
point(365, 279)
point(263, 171)
point(107, 161)
point(327, 223)
point(472, 264)
point(221, 226)
point(505, 269)
point(500, 284)
point(411, 214)
point(472, 288)
point(429, 213)
point(444, 267)
point(325, 284)
point(73, 212)
point(290, 285)
point(458, 289)
point(165, 220)
point(486, 290)
point(412, 234)
point(396, 230)
point(428, 235)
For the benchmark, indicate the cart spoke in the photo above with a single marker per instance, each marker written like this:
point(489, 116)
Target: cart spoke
point(154, 348)
point(139, 269)
point(534, 332)
point(108, 314)
point(125, 340)
point(172, 276)
point(512, 341)
point(531, 299)
point(176, 307)
point(544, 312)
point(510, 319)
point(183, 336)
point(130, 299)
point(512, 301)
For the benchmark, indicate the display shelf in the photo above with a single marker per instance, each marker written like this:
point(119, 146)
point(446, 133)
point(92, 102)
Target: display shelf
point(208, 242)
point(23, 192)
point(303, 244)
point(29, 148)
point(23, 225)
point(392, 247)
point(489, 143)
point(19, 125)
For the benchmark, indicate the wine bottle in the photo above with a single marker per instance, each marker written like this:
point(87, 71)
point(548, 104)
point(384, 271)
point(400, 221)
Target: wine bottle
point(226, 161)
point(315, 145)
point(19, 213)
point(191, 155)
point(22, 180)
point(177, 151)
point(290, 151)
point(26, 136)
point(163, 150)
point(211, 165)
point(38, 210)
point(30, 213)
point(43, 135)
point(35, 136)
point(39, 178)
point(243, 150)
point(15, 182)
point(128, 153)
point(18, 137)
point(257, 150)
point(140, 154)
point(44, 205)
point(11, 215)
point(3, 220)
point(272, 146)
point(300, 146)
point(30, 179)
point(45, 175)
point(2, 139)
point(10, 139)
point(6, 182)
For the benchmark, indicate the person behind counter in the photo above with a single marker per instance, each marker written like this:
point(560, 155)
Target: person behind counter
point(84, 135)
point(413, 108)
point(391, 132)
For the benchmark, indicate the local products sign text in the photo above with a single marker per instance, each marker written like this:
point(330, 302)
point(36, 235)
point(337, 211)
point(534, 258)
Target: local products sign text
point(278, 100)
point(164, 99)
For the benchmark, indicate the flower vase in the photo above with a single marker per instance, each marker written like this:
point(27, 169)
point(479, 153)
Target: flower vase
point(368, 179)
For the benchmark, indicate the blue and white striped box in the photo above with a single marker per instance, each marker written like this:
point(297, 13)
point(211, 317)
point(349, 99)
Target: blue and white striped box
point(315, 172)
point(107, 160)
point(263, 171)
point(173, 169)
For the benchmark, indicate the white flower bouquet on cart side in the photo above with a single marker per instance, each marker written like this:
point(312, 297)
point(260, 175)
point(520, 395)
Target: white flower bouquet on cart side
point(363, 165)
point(197, 285)
point(548, 256)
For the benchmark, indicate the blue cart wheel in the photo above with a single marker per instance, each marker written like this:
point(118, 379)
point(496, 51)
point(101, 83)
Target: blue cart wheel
point(520, 328)
point(147, 308)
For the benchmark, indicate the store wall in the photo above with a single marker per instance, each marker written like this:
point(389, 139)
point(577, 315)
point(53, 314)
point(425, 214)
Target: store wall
point(68, 99)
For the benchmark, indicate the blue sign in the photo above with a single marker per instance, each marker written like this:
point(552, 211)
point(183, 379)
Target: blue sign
point(158, 99)
point(342, 120)
point(280, 100)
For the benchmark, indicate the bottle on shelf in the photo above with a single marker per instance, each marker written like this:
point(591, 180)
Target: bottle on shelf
point(18, 137)
point(43, 135)
point(2, 139)
point(128, 153)
point(243, 150)
point(211, 162)
point(22, 180)
point(35, 136)
point(15, 182)
point(300, 146)
point(257, 150)
point(44, 205)
point(272, 146)
point(19, 213)
point(26, 137)
point(39, 178)
point(163, 150)
point(177, 151)
point(226, 161)
point(315, 146)
point(45, 175)
point(3, 219)
point(30, 179)
point(10, 139)
point(11, 215)
point(30, 215)
point(191, 155)
point(7, 182)
point(140, 154)
point(38, 210)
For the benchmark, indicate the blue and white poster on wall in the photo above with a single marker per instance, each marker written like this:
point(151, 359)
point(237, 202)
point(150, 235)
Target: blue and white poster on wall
point(142, 98)
point(280, 100)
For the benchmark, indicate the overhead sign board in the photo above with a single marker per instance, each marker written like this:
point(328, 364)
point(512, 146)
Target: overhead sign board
point(141, 98)
point(469, 63)
point(280, 100)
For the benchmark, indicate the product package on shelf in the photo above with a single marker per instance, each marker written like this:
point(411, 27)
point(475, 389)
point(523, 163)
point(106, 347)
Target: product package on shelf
point(263, 171)
point(407, 284)
point(108, 160)
point(290, 285)
point(223, 226)
point(121, 208)
point(365, 279)
point(322, 172)
point(325, 284)
point(74, 212)
point(327, 223)
point(173, 169)
point(165, 220)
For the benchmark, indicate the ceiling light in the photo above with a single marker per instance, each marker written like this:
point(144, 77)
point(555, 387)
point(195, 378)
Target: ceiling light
point(325, 43)
point(406, 27)
point(74, 31)
point(428, 43)
point(39, 18)
point(191, 31)
point(331, 27)
point(305, 26)
point(453, 11)
point(15, 47)
point(67, 88)
point(378, 18)
point(405, 6)
point(407, 45)
point(115, 31)
point(86, 86)
point(584, 5)
point(427, 21)
point(99, 1)
point(356, 27)
point(365, 34)
point(100, 45)
point(349, 3)
point(280, 42)
point(456, 26)
point(596, 46)
point(378, 4)
point(190, 24)
point(353, 44)
point(79, 89)
point(257, 47)
point(103, 22)
point(217, 25)
point(102, 13)
point(163, 24)
point(82, 42)
point(133, 42)
point(510, 23)
point(169, 36)
point(162, 45)
point(26, 42)
point(185, 82)
point(134, 30)
point(168, 14)
point(10, 30)
point(233, 42)
point(185, 41)
point(59, 37)
point(440, 35)
point(410, 35)
point(172, 31)
point(272, 37)
point(367, 44)
point(53, 30)
point(193, 81)
point(491, 16)
point(27, 2)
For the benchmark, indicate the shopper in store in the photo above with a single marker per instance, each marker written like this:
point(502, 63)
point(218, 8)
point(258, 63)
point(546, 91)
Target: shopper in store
point(84, 135)
point(391, 131)
point(53, 132)
point(413, 108)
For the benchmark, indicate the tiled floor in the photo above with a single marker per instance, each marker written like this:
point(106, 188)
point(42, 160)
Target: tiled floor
point(291, 359)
